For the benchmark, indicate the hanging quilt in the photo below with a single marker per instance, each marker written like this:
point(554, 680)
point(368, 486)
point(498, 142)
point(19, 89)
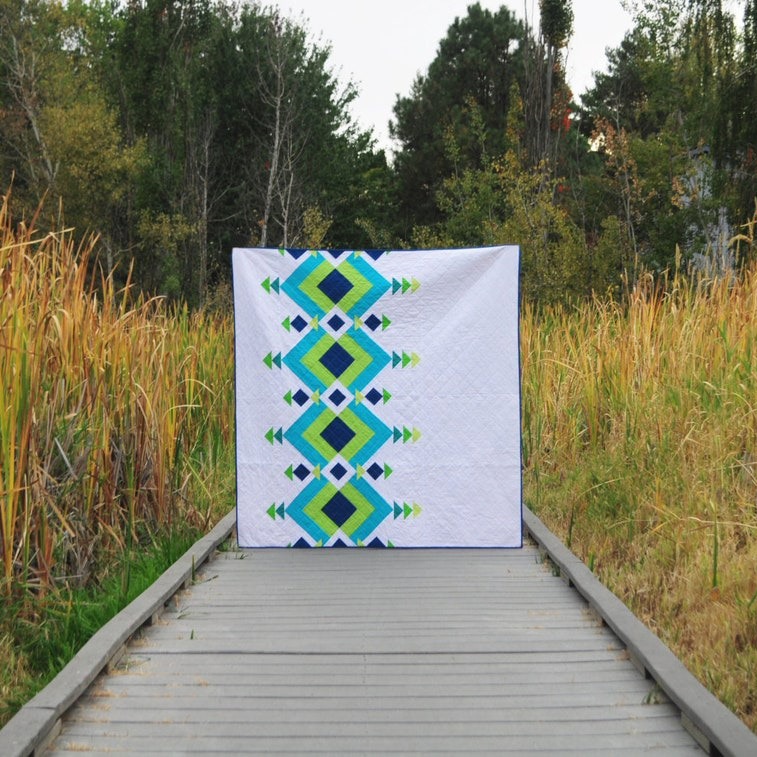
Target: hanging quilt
point(377, 398)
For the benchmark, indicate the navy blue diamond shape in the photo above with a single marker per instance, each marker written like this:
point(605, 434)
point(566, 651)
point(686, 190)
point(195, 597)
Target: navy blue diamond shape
point(336, 359)
point(338, 434)
point(373, 396)
point(337, 397)
point(338, 509)
point(372, 322)
point(299, 323)
point(335, 322)
point(375, 471)
point(301, 472)
point(335, 286)
point(338, 471)
point(300, 397)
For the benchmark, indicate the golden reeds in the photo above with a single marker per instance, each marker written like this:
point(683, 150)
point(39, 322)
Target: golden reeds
point(111, 407)
point(640, 450)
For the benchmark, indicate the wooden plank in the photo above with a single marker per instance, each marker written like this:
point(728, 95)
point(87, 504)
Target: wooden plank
point(724, 731)
point(337, 743)
point(376, 651)
point(29, 727)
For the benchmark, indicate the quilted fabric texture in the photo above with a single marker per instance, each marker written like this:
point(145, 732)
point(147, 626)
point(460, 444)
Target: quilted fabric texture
point(377, 398)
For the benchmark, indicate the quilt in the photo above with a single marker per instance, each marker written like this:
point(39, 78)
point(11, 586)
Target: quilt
point(377, 397)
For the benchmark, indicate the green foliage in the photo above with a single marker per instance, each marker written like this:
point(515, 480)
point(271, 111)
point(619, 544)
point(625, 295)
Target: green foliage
point(479, 59)
point(556, 21)
point(65, 620)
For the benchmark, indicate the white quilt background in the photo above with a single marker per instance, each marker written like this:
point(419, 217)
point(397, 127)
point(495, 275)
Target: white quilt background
point(464, 471)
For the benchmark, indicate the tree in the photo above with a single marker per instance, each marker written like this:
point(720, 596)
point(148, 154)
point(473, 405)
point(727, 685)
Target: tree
point(544, 112)
point(479, 59)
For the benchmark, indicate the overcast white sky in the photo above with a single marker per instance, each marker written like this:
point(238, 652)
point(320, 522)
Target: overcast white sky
point(382, 45)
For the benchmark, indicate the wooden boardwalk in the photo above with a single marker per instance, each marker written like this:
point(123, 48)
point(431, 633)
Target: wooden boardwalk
point(375, 651)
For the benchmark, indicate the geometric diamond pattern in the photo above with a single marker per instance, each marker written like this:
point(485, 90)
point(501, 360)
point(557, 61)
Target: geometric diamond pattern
point(316, 286)
point(319, 435)
point(335, 358)
point(354, 359)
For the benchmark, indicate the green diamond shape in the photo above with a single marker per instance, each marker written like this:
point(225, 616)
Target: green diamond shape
point(312, 359)
point(312, 434)
point(360, 286)
point(314, 510)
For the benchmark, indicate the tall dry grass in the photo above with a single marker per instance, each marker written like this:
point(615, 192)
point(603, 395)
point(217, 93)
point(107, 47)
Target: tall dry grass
point(640, 450)
point(112, 409)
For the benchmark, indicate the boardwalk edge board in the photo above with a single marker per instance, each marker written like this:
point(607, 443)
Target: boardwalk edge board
point(715, 727)
point(711, 723)
point(33, 727)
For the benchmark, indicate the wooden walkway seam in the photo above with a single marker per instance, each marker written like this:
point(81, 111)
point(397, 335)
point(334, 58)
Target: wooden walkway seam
point(376, 651)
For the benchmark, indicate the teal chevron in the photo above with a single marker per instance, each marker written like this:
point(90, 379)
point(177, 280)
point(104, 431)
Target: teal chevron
point(381, 510)
point(379, 285)
point(294, 360)
point(294, 435)
point(291, 287)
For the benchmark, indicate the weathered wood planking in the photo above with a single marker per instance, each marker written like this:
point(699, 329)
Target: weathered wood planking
point(376, 651)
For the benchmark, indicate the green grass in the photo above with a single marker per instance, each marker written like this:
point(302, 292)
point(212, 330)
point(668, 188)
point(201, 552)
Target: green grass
point(47, 636)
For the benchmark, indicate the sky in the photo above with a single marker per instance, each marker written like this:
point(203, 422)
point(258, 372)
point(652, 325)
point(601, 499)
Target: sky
point(383, 45)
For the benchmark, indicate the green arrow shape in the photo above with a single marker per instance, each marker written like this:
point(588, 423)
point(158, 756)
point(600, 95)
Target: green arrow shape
point(405, 359)
point(272, 511)
point(395, 286)
point(282, 251)
point(280, 510)
point(414, 285)
point(290, 472)
point(387, 396)
point(416, 434)
point(275, 286)
point(279, 436)
point(395, 359)
point(406, 434)
point(266, 284)
point(389, 544)
point(387, 470)
point(405, 285)
point(268, 360)
point(288, 398)
point(384, 322)
point(414, 359)
point(277, 360)
point(269, 435)
point(406, 509)
point(287, 323)
point(397, 435)
point(397, 511)
point(416, 509)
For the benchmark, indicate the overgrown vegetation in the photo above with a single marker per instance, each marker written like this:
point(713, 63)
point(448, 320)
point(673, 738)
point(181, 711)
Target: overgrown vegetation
point(640, 451)
point(116, 433)
point(176, 129)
